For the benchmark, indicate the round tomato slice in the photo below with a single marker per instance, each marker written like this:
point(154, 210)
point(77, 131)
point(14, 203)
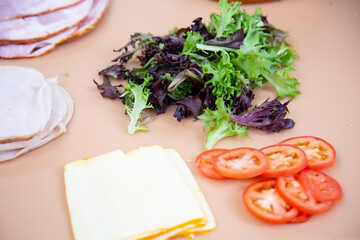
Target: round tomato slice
point(241, 163)
point(290, 189)
point(320, 186)
point(284, 160)
point(320, 154)
point(263, 201)
point(204, 162)
point(301, 218)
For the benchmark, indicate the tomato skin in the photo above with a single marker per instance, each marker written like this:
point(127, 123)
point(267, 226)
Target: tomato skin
point(204, 163)
point(320, 186)
point(241, 163)
point(301, 218)
point(291, 190)
point(320, 153)
point(263, 201)
point(284, 160)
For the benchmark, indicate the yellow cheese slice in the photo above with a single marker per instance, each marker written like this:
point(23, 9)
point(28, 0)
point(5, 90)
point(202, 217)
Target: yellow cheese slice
point(107, 200)
point(149, 193)
point(176, 201)
point(210, 222)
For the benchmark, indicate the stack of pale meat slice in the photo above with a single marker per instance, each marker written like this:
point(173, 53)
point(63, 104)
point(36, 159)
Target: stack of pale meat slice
point(33, 28)
point(33, 110)
point(148, 193)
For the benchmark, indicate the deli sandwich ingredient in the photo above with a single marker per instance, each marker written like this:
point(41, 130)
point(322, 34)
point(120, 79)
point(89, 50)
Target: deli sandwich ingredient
point(34, 110)
point(148, 193)
point(38, 33)
point(208, 71)
point(10, 9)
point(292, 191)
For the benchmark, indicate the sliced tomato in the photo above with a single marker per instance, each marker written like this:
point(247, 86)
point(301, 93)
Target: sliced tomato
point(241, 163)
point(263, 201)
point(320, 154)
point(320, 186)
point(284, 160)
point(301, 218)
point(204, 162)
point(290, 189)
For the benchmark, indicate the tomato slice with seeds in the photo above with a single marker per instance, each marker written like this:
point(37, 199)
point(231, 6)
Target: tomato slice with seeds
point(320, 154)
point(284, 160)
point(241, 163)
point(204, 162)
point(290, 189)
point(263, 201)
point(320, 186)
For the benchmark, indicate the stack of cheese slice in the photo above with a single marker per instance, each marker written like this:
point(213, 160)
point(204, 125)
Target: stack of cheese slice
point(148, 193)
point(33, 110)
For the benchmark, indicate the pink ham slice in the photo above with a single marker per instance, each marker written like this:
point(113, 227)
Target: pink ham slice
point(40, 48)
point(18, 9)
point(36, 28)
point(36, 49)
point(96, 13)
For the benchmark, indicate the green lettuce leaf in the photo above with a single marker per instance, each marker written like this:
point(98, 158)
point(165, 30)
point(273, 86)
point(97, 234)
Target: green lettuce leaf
point(136, 100)
point(219, 125)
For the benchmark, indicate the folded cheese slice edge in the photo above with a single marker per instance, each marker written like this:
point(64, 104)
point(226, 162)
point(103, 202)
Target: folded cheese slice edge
point(210, 225)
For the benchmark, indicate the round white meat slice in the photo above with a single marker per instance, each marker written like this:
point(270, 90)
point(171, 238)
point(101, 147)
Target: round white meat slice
point(10, 51)
point(59, 110)
point(36, 28)
point(26, 103)
point(62, 101)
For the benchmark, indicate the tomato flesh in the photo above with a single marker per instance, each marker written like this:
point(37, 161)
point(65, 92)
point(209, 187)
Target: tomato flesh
point(301, 218)
point(263, 201)
point(320, 154)
point(204, 163)
point(241, 163)
point(292, 191)
point(284, 160)
point(320, 186)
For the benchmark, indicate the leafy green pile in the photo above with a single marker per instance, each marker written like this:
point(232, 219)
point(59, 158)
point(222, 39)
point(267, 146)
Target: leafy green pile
point(208, 71)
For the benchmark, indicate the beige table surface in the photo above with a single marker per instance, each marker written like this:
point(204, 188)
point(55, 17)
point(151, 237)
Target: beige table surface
point(325, 33)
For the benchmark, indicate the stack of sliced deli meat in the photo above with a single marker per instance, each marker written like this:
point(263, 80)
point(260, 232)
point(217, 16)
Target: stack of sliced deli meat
point(33, 110)
point(148, 193)
point(33, 29)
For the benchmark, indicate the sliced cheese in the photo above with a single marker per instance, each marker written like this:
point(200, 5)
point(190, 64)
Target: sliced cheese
point(177, 202)
point(210, 222)
point(107, 200)
point(149, 193)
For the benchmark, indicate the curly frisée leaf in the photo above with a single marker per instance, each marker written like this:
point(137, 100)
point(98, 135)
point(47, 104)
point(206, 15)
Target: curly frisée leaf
point(135, 101)
point(219, 124)
point(285, 85)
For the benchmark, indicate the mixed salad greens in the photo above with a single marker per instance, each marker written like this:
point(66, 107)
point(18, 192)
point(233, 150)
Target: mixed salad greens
point(208, 71)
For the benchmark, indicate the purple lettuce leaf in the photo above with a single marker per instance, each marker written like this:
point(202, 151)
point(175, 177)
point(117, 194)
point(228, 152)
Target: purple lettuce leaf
point(269, 117)
point(107, 89)
point(233, 41)
point(191, 105)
